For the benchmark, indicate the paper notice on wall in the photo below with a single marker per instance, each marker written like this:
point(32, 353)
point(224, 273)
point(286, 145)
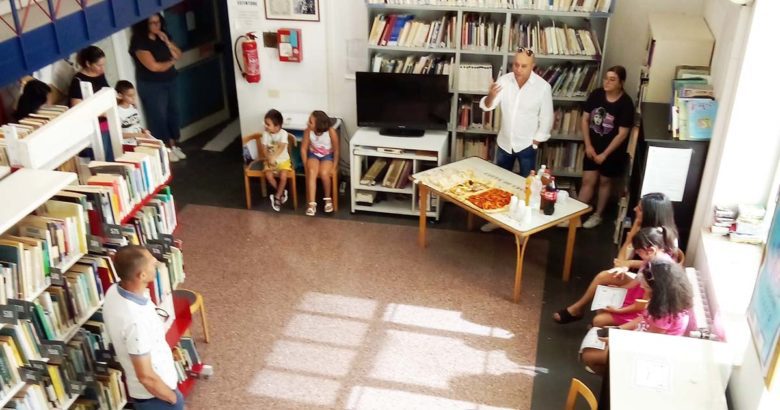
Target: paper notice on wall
point(247, 14)
point(666, 171)
point(356, 56)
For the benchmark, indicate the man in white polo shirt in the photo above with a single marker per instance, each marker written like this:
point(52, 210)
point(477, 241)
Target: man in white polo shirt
point(138, 335)
point(527, 114)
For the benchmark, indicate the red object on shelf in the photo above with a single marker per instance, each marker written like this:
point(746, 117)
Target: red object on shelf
point(146, 200)
point(182, 322)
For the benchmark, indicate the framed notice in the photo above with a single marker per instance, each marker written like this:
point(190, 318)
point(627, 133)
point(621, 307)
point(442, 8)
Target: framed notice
point(303, 10)
point(764, 309)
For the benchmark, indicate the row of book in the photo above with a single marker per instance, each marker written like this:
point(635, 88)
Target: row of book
point(570, 80)
point(471, 146)
point(394, 173)
point(479, 33)
point(471, 116)
point(475, 77)
point(694, 107)
point(563, 156)
point(566, 121)
point(404, 30)
point(587, 6)
point(412, 64)
point(186, 357)
point(27, 126)
point(553, 39)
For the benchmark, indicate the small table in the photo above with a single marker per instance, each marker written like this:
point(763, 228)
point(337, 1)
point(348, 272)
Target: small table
point(655, 371)
point(570, 210)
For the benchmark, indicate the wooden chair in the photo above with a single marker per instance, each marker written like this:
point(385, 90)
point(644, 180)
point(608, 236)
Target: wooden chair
point(255, 170)
point(577, 388)
point(196, 304)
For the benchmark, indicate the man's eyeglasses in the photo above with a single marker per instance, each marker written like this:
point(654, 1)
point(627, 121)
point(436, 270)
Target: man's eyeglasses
point(527, 50)
point(162, 313)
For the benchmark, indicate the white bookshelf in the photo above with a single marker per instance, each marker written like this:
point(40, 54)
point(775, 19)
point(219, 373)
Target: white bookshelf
point(501, 59)
point(27, 189)
point(428, 151)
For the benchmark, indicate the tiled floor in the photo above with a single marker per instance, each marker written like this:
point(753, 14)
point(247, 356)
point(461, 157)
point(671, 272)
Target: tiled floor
point(211, 178)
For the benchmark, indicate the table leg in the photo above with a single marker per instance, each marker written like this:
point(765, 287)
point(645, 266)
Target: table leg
point(469, 221)
point(423, 192)
point(521, 242)
point(573, 223)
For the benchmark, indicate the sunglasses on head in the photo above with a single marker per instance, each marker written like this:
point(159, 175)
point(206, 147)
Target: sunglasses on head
point(527, 50)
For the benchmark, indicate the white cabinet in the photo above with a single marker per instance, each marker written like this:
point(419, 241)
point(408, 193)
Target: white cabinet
point(367, 145)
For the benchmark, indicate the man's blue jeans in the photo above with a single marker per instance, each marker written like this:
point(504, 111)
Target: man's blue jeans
point(157, 404)
point(527, 158)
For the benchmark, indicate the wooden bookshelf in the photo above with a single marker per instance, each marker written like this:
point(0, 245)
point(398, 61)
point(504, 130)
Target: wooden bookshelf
point(501, 59)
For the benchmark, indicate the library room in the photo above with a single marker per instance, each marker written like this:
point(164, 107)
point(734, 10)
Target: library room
point(389, 205)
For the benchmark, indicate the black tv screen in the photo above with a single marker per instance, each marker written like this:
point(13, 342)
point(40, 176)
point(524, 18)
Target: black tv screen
point(397, 102)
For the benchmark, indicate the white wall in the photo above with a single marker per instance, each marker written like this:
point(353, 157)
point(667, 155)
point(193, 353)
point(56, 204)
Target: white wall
point(285, 86)
point(628, 33)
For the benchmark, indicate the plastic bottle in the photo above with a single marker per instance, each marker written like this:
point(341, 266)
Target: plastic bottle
point(541, 171)
point(536, 192)
point(529, 180)
point(549, 197)
point(513, 206)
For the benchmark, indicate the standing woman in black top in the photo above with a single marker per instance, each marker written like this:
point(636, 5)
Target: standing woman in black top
point(92, 61)
point(607, 116)
point(155, 55)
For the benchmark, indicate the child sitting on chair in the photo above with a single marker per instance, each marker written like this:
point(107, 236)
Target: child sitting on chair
point(320, 151)
point(273, 148)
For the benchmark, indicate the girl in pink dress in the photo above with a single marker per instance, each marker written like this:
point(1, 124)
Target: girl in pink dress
point(667, 312)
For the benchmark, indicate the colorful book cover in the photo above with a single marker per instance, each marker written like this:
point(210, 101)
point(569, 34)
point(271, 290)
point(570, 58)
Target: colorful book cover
point(701, 118)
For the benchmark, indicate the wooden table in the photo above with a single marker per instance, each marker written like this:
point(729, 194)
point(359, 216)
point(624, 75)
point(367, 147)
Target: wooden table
point(655, 371)
point(570, 210)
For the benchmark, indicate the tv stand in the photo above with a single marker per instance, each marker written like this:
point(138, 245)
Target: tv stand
point(401, 132)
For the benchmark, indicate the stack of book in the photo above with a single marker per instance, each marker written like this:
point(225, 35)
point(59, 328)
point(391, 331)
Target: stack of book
point(570, 80)
point(475, 77)
point(563, 156)
point(474, 147)
point(28, 125)
point(750, 227)
point(724, 220)
point(479, 33)
point(567, 121)
point(472, 117)
point(186, 357)
point(412, 64)
point(587, 6)
point(694, 107)
point(552, 39)
point(403, 30)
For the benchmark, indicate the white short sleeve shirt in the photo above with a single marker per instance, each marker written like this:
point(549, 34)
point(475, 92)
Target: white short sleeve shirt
point(135, 329)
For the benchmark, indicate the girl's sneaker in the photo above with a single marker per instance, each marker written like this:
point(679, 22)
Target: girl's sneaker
point(275, 203)
point(178, 152)
point(284, 197)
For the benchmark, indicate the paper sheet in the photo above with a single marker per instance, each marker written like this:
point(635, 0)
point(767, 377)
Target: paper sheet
point(591, 340)
point(654, 374)
point(247, 15)
point(666, 171)
point(608, 296)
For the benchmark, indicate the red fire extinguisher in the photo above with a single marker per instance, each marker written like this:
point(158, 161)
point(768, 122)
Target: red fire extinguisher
point(251, 69)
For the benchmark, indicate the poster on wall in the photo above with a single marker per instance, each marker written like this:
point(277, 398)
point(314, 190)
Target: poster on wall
point(247, 15)
point(303, 10)
point(764, 308)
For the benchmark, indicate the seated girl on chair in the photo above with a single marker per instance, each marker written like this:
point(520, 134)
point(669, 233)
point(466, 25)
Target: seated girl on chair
point(320, 152)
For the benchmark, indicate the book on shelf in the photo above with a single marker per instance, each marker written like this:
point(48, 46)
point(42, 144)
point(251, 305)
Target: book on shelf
point(586, 6)
point(374, 171)
point(566, 121)
point(475, 77)
point(363, 197)
point(570, 80)
point(403, 30)
point(471, 116)
point(412, 64)
point(398, 169)
point(474, 147)
point(563, 156)
point(480, 33)
point(553, 39)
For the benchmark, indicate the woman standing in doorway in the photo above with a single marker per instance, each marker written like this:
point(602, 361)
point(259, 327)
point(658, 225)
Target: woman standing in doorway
point(607, 116)
point(155, 56)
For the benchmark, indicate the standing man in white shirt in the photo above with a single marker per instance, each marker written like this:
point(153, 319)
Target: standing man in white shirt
point(527, 114)
point(138, 335)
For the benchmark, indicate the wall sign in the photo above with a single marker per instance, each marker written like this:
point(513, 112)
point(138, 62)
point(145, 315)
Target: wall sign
point(303, 10)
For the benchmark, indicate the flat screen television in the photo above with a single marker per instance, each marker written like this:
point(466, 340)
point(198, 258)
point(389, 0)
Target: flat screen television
point(402, 104)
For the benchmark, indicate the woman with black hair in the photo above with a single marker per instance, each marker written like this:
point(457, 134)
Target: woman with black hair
point(34, 95)
point(668, 312)
point(653, 210)
point(155, 57)
point(607, 116)
point(92, 61)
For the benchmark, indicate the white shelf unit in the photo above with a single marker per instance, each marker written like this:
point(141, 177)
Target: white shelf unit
point(428, 151)
point(501, 59)
point(27, 189)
